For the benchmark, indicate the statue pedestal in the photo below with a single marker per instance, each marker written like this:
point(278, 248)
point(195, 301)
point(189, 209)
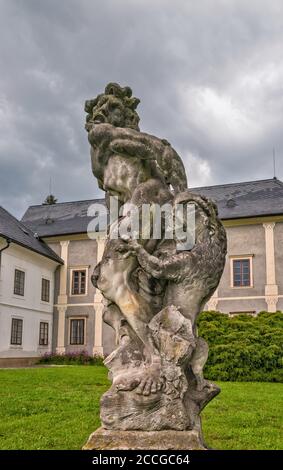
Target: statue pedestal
point(107, 439)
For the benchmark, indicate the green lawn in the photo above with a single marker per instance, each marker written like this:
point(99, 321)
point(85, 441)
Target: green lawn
point(58, 407)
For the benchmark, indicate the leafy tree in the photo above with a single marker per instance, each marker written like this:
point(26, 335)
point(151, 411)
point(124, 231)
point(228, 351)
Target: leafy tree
point(51, 199)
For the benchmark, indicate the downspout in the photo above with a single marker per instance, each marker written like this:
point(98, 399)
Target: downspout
point(8, 240)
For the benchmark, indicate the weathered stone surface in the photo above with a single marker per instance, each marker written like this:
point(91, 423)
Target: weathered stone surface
point(154, 287)
point(178, 401)
point(103, 439)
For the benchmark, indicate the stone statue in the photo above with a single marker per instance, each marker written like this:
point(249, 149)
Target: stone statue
point(153, 290)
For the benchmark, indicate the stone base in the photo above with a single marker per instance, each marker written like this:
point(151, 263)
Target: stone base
point(106, 439)
point(9, 362)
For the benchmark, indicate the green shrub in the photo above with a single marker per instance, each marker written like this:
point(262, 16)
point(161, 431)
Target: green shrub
point(243, 347)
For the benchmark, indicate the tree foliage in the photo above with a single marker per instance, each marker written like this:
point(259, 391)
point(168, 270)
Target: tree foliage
point(51, 199)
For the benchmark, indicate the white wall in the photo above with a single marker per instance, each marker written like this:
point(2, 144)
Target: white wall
point(29, 308)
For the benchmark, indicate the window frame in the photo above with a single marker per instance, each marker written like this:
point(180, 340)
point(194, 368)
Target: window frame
point(21, 321)
point(44, 344)
point(72, 271)
point(243, 312)
point(241, 258)
point(42, 290)
point(77, 319)
point(22, 271)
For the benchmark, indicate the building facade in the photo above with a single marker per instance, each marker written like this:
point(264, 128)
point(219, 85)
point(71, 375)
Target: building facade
point(27, 284)
point(253, 274)
point(252, 213)
point(77, 305)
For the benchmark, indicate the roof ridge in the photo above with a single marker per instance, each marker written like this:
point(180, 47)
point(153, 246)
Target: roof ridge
point(68, 202)
point(239, 183)
point(276, 180)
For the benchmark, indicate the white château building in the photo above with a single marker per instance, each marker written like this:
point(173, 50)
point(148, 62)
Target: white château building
point(27, 273)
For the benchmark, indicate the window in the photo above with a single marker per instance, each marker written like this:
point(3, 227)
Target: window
point(77, 332)
point(19, 282)
point(243, 313)
point(242, 272)
point(43, 333)
point(45, 290)
point(79, 282)
point(17, 331)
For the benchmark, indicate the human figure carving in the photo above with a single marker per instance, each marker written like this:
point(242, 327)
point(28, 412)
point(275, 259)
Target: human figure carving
point(153, 292)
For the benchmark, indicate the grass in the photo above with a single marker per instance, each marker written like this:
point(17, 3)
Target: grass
point(245, 415)
point(50, 408)
point(58, 407)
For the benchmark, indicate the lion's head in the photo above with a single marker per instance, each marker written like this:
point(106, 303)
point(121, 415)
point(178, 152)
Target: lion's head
point(115, 106)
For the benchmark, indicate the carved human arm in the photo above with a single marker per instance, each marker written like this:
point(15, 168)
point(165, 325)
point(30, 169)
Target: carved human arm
point(169, 268)
point(145, 146)
point(182, 263)
point(106, 139)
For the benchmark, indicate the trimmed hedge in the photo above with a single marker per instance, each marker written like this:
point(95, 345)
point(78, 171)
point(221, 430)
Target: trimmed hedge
point(243, 347)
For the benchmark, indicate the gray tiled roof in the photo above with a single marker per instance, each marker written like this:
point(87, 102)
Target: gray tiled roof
point(250, 199)
point(235, 200)
point(60, 218)
point(14, 230)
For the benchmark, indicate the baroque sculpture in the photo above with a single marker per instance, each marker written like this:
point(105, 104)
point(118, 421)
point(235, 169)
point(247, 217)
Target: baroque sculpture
point(153, 290)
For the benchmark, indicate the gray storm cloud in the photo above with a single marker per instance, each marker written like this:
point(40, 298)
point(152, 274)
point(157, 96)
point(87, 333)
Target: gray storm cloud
point(209, 75)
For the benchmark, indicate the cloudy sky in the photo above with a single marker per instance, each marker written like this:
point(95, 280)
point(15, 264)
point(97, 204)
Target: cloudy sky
point(209, 74)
